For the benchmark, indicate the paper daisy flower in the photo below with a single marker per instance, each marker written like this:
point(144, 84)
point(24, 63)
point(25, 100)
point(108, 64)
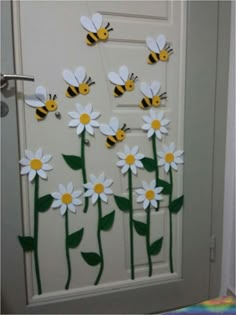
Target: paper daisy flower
point(98, 187)
point(170, 158)
point(130, 159)
point(149, 194)
point(155, 123)
point(35, 164)
point(66, 198)
point(84, 118)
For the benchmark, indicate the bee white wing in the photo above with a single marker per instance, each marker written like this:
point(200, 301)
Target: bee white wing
point(80, 74)
point(155, 87)
point(152, 45)
point(161, 41)
point(69, 77)
point(124, 73)
point(146, 89)
point(114, 124)
point(115, 78)
point(97, 20)
point(106, 130)
point(33, 101)
point(88, 24)
point(41, 93)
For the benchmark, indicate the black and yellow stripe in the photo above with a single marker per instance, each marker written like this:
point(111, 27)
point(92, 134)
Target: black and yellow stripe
point(153, 57)
point(41, 113)
point(92, 38)
point(145, 103)
point(119, 90)
point(111, 141)
point(72, 91)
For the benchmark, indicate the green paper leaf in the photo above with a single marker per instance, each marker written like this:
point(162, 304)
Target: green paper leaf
point(44, 203)
point(122, 203)
point(27, 243)
point(166, 187)
point(176, 205)
point(140, 228)
point(74, 162)
point(149, 164)
point(92, 259)
point(107, 221)
point(156, 246)
point(74, 239)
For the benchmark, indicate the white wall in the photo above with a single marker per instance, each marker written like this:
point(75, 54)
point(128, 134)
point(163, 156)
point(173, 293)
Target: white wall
point(228, 259)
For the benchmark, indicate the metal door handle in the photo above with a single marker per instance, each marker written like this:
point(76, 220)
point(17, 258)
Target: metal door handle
point(6, 77)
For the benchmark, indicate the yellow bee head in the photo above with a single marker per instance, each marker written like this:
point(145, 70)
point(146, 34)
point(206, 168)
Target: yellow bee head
point(130, 83)
point(103, 32)
point(84, 88)
point(120, 134)
point(156, 100)
point(51, 104)
point(164, 56)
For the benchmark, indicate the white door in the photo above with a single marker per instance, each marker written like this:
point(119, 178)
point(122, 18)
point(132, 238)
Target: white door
point(118, 256)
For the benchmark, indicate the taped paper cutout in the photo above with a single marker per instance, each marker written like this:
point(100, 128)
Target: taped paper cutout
point(78, 82)
point(84, 119)
point(122, 79)
point(43, 102)
point(151, 96)
point(155, 124)
point(35, 166)
point(169, 158)
point(130, 160)
point(113, 132)
point(99, 189)
point(67, 199)
point(149, 195)
point(160, 50)
point(96, 31)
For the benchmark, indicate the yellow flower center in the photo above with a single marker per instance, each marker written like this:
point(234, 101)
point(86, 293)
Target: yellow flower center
point(85, 119)
point(169, 157)
point(156, 124)
point(66, 198)
point(99, 188)
point(130, 159)
point(36, 164)
point(150, 194)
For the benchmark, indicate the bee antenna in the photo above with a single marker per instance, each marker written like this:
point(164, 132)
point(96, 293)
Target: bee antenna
point(135, 78)
point(127, 129)
point(54, 97)
point(91, 83)
point(123, 128)
point(108, 24)
point(110, 29)
point(88, 80)
point(50, 96)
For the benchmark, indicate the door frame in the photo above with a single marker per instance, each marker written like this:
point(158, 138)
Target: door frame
point(14, 298)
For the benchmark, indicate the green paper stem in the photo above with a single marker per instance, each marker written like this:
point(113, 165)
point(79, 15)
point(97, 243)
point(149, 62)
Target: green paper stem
point(99, 241)
point(36, 226)
point(148, 241)
point(154, 149)
point(170, 223)
point(67, 250)
point(86, 199)
point(131, 224)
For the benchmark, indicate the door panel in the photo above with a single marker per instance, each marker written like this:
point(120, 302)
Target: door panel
point(47, 49)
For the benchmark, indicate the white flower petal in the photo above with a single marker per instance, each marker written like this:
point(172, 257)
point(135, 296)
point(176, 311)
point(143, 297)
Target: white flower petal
point(178, 160)
point(158, 190)
point(63, 209)
point(95, 115)
point(140, 198)
point(56, 204)
point(174, 166)
point(161, 154)
point(79, 108)
point(88, 109)
point(165, 148)
point(124, 169)
point(120, 163)
point(145, 185)
point(121, 155)
point(47, 167)
point(24, 162)
point(94, 198)
point(76, 202)
point(163, 130)
point(74, 115)
point(62, 189)
point(167, 167)
point(150, 132)
point(101, 178)
point(140, 191)
point(158, 197)
point(88, 193)
point(29, 154)
point(153, 184)
point(139, 164)
point(161, 162)
point(172, 147)
point(160, 115)
point(146, 127)
point(74, 123)
point(71, 207)
point(178, 153)
point(126, 150)
point(165, 122)
point(103, 197)
point(139, 156)
point(56, 195)
point(154, 203)
point(94, 123)
point(89, 129)
point(80, 129)
point(39, 153)
point(76, 194)
point(152, 114)
point(32, 174)
point(93, 178)
point(147, 119)
point(42, 174)
point(108, 191)
point(25, 170)
point(134, 150)
point(133, 169)
point(108, 182)
point(158, 134)
point(145, 204)
point(88, 185)
point(69, 188)
point(46, 158)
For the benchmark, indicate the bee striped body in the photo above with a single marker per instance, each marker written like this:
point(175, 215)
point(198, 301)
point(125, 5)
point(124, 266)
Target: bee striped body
point(153, 58)
point(41, 112)
point(111, 141)
point(119, 90)
point(146, 102)
point(72, 91)
point(91, 38)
